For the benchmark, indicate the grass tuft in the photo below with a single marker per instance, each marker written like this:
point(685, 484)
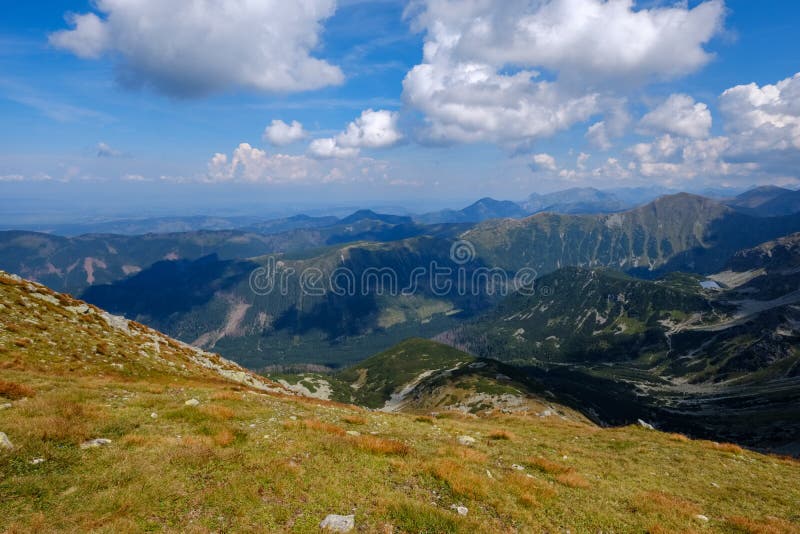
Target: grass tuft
point(377, 445)
point(14, 391)
point(501, 435)
point(547, 466)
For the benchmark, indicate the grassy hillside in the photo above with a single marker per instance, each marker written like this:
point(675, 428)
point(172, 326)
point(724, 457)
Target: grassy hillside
point(244, 459)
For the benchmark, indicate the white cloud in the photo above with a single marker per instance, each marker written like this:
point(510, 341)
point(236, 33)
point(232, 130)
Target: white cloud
point(135, 178)
point(679, 115)
point(206, 46)
point(373, 129)
point(327, 148)
point(253, 165)
point(279, 133)
point(544, 161)
point(764, 122)
point(479, 81)
point(11, 178)
point(89, 38)
point(104, 150)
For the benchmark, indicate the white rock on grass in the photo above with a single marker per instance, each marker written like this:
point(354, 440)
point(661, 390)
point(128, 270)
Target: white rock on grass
point(461, 510)
point(154, 415)
point(701, 517)
point(94, 443)
point(37, 461)
point(338, 523)
point(645, 425)
point(6, 406)
point(192, 402)
point(517, 467)
point(467, 441)
point(5, 443)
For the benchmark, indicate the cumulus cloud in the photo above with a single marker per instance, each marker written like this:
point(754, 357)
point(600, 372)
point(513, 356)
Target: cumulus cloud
point(327, 148)
point(279, 133)
point(764, 122)
point(479, 77)
point(253, 165)
point(210, 46)
point(679, 115)
point(544, 161)
point(373, 129)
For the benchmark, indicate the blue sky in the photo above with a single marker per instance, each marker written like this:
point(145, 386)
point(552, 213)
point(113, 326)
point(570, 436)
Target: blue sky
point(98, 110)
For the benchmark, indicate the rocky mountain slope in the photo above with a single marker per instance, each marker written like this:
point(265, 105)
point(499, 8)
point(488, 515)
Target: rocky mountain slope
point(422, 376)
point(101, 431)
point(715, 356)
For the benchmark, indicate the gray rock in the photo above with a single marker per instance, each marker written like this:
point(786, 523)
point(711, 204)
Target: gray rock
point(467, 441)
point(192, 402)
point(461, 510)
point(94, 443)
point(645, 425)
point(5, 443)
point(338, 523)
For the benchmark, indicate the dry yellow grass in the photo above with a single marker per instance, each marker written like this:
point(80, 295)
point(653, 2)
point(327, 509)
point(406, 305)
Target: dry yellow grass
point(769, 525)
point(573, 480)
point(460, 480)
point(227, 395)
point(547, 466)
point(218, 412)
point(501, 435)
point(725, 447)
point(665, 503)
point(14, 391)
point(354, 419)
point(378, 445)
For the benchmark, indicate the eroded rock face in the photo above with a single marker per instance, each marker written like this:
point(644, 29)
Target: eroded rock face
point(338, 523)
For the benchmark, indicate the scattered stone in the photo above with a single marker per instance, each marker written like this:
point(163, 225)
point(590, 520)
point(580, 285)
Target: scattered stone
point(69, 491)
point(338, 523)
point(5, 443)
point(546, 413)
point(6, 406)
point(353, 433)
point(715, 484)
point(467, 441)
point(37, 461)
point(517, 467)
point(94, 443)
point(645, 425)
point(461, 510)
point(192, 402)
point(489, 474)
point(293, 417)
point(701, 517)
point(154, 415)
